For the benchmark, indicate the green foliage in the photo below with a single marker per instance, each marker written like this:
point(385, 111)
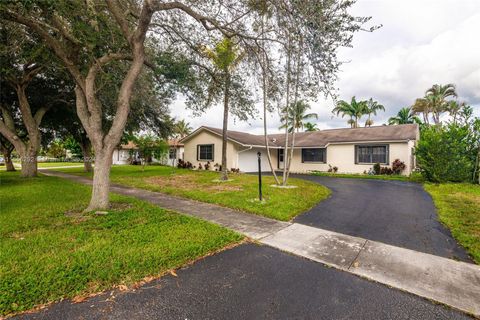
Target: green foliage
point(309, 127)
point(150, 147)
point(182, 129)
point(296, 115)
point(377, 168)
point(449, 152)
point(354, 110)
point(56, 149)
point(435, 102)
point(226, 53)
point(404, 116)
point(71, 144)
point(48, 256)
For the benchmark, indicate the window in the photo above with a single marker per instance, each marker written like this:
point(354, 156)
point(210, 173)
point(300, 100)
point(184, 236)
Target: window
point(205, 152)
point(314, 155)
point(371, 154)
point(280, 154)
point(172, 153)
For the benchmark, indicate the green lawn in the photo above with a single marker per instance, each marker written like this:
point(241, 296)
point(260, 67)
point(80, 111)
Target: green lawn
point(414, 177)
point(240, 193)
point(54, 164)
point(47, 255)
point(458, 206)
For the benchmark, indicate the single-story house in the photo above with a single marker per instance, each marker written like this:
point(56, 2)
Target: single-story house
point(128, 153)
point(351, 150)
point(125, 153)
point(175, 152)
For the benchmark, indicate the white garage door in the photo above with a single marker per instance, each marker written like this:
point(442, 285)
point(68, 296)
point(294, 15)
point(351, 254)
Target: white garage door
point(247, 161)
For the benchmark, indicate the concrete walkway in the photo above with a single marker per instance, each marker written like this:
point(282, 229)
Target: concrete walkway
point(443, 280)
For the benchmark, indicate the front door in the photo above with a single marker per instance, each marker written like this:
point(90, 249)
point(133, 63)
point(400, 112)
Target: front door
point(281, 153)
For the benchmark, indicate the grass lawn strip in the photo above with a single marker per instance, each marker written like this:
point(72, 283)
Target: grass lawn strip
point(280, 203)
point(458, 207)
point(48, 255)
point(414, 177)
point(53, 164)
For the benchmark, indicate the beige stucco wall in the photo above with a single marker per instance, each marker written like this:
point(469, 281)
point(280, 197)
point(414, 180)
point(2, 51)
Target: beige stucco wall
point(343, 157)
point(339, 155)
point(205, 137)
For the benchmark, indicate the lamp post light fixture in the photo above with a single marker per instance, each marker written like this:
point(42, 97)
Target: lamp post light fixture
point(259, 155)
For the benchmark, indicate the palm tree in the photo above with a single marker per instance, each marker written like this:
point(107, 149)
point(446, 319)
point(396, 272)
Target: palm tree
point(437, 95)
point(225, 57)
point(371, 108)
point(423, 106)
point(309, 127)
point(453, 108)
point(296, 116)
point(355, 110)
point(182, 129)
point(404, 116)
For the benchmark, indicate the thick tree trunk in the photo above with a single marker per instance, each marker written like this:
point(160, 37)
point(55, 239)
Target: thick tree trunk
point(101, 181)
point(86, 147)
point(29, 163)
point(226, 97)
point(7, 156)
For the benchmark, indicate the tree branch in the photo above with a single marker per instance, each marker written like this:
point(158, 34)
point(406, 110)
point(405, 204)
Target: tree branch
point(39, 115)
point(114, 8)
point(53, 43)
point(12, 137)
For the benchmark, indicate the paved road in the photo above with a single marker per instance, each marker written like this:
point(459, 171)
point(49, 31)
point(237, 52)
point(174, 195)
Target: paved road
point(393, 212)
point(255, 282)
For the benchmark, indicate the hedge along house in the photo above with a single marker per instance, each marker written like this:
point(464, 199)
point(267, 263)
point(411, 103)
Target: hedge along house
point(351, 150)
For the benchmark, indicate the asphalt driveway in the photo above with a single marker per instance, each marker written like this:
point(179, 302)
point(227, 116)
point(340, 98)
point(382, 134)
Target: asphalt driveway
point(254, 282)
point(393, 212)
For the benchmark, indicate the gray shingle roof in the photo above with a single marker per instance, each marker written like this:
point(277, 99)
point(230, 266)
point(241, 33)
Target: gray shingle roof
point(402, 132)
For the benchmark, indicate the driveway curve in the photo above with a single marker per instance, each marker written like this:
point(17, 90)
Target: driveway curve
point(393, 212)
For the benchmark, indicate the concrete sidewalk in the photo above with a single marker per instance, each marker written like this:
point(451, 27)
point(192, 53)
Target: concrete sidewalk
point(453, 283)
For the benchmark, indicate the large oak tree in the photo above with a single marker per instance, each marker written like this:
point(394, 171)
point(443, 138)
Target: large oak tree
point(88, 36)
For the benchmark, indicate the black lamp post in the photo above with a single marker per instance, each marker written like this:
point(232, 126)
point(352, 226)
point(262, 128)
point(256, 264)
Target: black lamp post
point(259, 154)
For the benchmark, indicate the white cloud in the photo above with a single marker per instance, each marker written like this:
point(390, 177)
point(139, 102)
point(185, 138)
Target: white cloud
point(421, 43)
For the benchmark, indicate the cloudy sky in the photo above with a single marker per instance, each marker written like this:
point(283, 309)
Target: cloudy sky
point(422, 42)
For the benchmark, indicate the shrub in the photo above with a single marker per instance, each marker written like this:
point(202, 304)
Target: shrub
point(386, 171)
point(376, 168)
point(332, 169)
point(398, 166)
point(200, 166)
point(235, 170)
point(448, 152)
point(207, 165)
point(184, 165)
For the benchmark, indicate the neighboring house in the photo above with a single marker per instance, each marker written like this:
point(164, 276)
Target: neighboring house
point(175, 152)
point(128, 153)
point(125, 153)
point(352, 150)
